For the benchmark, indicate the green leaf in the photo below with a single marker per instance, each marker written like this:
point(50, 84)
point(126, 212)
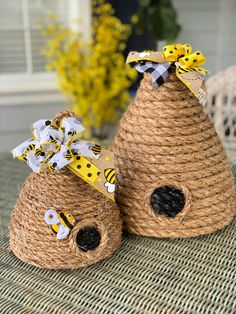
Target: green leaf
point(163, 22)
point(160, 17)
point(144, 3)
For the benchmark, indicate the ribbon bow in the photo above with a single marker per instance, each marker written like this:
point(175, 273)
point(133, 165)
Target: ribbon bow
point(188, 66)
point(53, 147)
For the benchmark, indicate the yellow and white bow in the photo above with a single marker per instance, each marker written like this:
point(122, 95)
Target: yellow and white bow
point(188, 65)
point(54, 147)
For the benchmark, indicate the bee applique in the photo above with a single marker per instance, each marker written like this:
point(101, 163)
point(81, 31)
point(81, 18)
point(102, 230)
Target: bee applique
point(60, 223)
point(96, 149)
point(110, 176)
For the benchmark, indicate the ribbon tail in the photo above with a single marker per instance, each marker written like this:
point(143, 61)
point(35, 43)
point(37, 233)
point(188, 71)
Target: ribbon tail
point(201, 70)
point(99, 173)
point(160, 75)
point(194, 81)
point(158, 71)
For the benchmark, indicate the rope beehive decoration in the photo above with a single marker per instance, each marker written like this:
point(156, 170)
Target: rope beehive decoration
point(173, 177)
point(60, 220)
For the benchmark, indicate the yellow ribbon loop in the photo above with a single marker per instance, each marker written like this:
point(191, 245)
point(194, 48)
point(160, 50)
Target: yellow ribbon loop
point(195, 59)
point(187, 49)
point(173, 52)
point(183, 55)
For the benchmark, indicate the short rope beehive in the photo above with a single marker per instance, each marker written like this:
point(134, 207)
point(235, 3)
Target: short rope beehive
point(173, 177)
point(95, 236)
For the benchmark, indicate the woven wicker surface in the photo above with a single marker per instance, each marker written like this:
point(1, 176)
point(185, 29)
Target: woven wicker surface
point(145, 276)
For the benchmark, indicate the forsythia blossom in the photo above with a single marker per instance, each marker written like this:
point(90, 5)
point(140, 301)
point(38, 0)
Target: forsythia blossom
point(93, 74)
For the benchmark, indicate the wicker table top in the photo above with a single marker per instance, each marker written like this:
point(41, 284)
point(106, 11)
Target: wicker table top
point(146, 275)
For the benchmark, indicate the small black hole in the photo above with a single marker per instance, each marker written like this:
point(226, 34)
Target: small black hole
point(88, 239)
point(167, 200)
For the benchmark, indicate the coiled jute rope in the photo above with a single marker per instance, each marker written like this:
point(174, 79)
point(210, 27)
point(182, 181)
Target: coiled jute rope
point(30, 237)
point(166, 139)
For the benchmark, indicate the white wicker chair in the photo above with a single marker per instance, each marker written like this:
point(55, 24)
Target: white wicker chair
point(220, 105)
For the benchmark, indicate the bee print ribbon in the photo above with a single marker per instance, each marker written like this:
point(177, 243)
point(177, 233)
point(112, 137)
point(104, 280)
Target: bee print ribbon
point(188, 66)
point(54, 147)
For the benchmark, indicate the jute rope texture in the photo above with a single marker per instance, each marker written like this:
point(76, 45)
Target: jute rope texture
point(165, 138)
point(30, 237)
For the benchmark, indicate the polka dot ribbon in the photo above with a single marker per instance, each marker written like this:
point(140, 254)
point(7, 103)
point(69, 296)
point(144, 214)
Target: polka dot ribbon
point(54, 147)
point(184, 58)
point(188, 66)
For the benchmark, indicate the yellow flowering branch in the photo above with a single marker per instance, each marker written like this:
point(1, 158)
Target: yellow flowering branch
point(92, 74)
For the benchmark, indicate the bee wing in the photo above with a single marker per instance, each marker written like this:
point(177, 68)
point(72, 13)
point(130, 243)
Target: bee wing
point(63, 232)
point(50, 217)
point(110, 187)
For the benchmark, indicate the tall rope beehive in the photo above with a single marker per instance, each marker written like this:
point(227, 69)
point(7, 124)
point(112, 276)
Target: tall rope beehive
point(173, 177)
point(95, 236)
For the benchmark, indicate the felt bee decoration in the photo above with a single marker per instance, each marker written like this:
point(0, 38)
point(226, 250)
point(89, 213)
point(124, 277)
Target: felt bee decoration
point(60, 223)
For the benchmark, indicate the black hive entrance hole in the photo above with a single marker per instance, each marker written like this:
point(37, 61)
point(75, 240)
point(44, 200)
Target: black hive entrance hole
point(167, 200)
point(88, 238)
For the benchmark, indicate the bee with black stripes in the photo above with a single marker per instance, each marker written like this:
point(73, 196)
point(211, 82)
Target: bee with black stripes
point(96, 149)
point(110, 176)
point(27, 150)
point(52, 167)
point(52, 140)
point(72, 133)
point(39, 152)
point(23, 157)
point(68, 155)
point(60, 223)
point(30, 148)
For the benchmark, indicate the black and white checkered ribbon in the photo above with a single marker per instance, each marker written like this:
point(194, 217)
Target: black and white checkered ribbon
point(158, 71)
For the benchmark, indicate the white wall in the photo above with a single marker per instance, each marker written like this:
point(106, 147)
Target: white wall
point(19, 110)
point(210, 26)
point(26, 98)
